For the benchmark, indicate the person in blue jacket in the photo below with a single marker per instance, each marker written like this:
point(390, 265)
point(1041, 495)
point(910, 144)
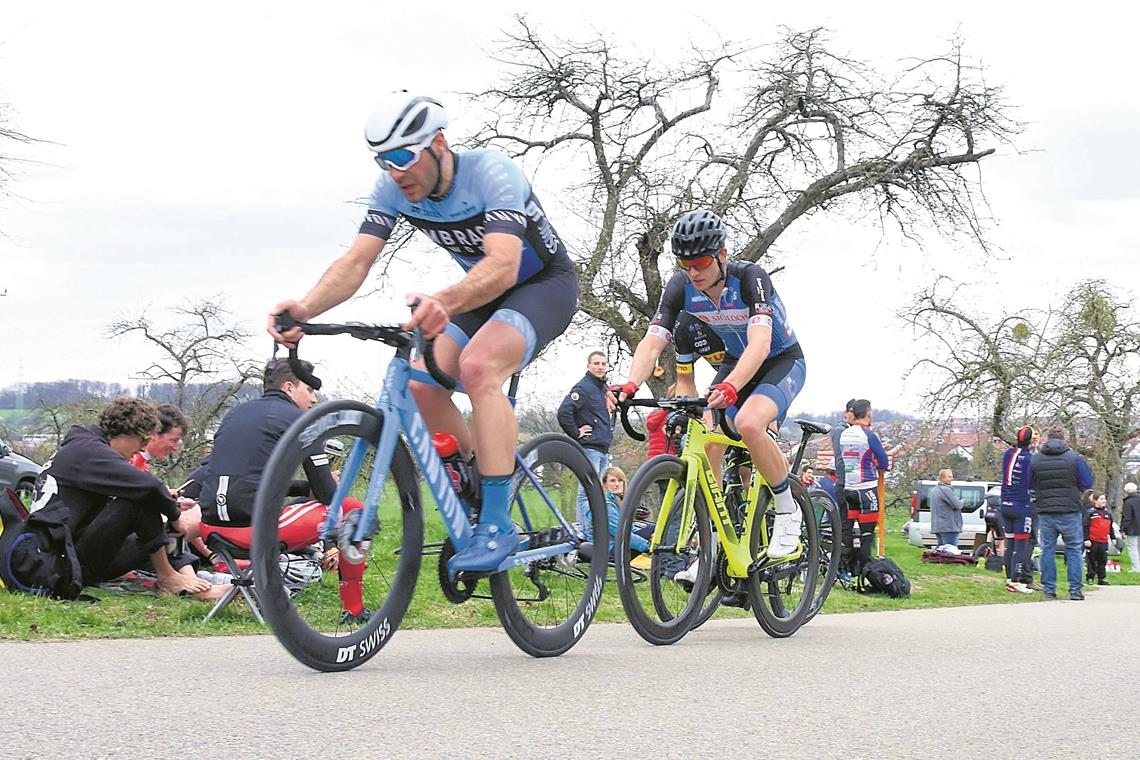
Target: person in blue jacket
point(583, 416)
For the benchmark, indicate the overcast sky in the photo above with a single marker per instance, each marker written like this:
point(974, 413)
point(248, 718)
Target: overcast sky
point(216, 148)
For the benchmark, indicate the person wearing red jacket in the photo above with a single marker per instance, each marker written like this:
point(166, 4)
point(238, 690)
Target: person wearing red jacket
point(659, 442)
point(1098, 530)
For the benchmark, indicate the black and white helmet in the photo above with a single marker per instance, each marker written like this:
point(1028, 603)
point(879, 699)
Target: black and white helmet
point(697, 233)
point(403, 120)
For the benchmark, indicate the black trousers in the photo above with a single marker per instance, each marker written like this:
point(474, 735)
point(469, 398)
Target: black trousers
point(1098, 558)
point(120, 538)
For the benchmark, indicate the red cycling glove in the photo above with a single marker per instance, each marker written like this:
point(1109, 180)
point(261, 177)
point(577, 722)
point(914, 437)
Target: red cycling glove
point(728, 390)
point(628, 389)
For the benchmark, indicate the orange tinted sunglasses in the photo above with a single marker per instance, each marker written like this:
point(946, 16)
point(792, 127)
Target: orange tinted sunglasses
point(700, 262)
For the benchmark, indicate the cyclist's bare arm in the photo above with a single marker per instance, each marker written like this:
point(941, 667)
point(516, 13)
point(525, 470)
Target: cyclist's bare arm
point(339, 283)
point(686, 384)
point(487, 280)
point(496, 273)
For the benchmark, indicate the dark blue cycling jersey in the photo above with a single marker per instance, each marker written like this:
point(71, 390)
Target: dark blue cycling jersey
point(748, 298)
point(693, 338)
point(488, 194)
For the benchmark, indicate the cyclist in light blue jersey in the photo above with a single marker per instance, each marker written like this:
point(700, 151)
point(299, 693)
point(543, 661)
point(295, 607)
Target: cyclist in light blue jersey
point(518, 292)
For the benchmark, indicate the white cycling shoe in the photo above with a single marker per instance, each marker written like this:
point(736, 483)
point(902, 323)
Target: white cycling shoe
point(785, 539)
point(688, 575)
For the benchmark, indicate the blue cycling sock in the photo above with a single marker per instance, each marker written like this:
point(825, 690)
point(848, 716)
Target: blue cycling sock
point(784, 502)
point(496, 508)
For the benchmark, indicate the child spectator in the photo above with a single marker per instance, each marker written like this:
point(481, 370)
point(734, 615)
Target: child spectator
point(1098, 530)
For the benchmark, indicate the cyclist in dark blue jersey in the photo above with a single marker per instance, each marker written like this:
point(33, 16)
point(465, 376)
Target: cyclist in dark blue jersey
point(737, 301)
point(693, 339)
point(518, 292)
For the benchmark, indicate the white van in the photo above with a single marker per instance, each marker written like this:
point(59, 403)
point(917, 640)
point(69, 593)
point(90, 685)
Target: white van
point(973, 496)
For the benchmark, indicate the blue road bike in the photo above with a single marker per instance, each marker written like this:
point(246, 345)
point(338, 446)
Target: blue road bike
point(545, 594)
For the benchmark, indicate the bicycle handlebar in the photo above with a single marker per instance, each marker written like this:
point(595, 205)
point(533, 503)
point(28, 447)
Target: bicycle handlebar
point(692, 404)
point(392, 335)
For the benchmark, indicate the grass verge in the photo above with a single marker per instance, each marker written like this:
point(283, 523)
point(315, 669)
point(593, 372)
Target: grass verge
point(118, 615)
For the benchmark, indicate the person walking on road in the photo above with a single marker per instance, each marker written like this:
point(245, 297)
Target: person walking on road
point(1059, 476)
point(583, 416)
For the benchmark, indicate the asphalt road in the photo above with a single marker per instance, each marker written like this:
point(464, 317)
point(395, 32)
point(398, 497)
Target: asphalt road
point(1046, 680)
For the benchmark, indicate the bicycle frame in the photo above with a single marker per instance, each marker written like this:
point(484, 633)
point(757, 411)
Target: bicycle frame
point(396, 404)
point(698, 474)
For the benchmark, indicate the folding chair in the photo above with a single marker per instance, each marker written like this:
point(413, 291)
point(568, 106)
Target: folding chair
point(302, 565)
point(232, 545)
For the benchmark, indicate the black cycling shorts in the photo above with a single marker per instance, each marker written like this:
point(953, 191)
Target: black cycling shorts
point(780, 378)
point(540, 309)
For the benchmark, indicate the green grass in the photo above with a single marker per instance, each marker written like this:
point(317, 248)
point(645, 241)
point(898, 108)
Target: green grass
point(118, 615)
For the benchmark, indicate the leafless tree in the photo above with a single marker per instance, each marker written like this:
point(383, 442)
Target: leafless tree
point(762, 136)
point(8, 136)
point(1077, 365)
point(202, 348)
point(988, 366)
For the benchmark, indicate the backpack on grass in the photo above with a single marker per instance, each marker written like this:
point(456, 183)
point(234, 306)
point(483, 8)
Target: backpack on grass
point(37, 554)
point(884, 576)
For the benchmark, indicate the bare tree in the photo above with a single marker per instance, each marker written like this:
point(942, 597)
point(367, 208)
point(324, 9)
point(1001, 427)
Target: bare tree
point(802, 130)
point(9, 135)
point(202, 348)
point(1094, 371)
point(1077, 365)
point(980, 365)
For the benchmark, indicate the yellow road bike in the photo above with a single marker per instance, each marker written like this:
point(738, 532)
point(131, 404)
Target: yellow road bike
point(689, 569)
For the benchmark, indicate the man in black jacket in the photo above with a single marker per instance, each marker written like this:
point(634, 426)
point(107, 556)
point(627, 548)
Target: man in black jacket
point(1059, 476)
point(584, 418)
point(114, 510)
point(1130, 524)
point(242, 446)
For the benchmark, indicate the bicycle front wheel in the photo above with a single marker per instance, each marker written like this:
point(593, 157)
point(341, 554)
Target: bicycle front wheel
point(308, 614)
point(546, 605)
point(662, 606)
point(782, 592)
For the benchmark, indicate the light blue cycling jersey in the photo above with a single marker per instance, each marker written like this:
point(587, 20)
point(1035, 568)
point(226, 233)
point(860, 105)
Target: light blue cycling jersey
point(488, 194)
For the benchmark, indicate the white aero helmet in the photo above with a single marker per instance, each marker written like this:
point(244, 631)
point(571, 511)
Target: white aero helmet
point(404, 120)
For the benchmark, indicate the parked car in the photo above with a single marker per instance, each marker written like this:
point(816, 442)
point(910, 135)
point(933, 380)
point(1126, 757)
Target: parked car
point(17, 472)
point(973, 496)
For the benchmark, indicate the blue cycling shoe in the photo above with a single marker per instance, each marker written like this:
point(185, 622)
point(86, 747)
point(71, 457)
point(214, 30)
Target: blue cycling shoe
point(489, 546)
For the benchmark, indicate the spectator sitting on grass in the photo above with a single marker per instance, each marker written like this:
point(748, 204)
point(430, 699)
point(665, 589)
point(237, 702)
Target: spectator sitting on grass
point(115, 510)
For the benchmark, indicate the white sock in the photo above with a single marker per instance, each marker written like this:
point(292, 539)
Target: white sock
point(785, 504)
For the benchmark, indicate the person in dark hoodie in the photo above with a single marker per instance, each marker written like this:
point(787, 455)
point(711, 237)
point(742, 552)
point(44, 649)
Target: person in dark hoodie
point(1059, 475)
point(242, 446)
point(114, 510)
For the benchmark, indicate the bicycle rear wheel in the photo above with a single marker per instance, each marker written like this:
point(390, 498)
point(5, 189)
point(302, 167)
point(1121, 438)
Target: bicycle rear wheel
point(830, 547)
point(311, 624)
point(782, 592)
point(661, 609)
point(545, 606)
